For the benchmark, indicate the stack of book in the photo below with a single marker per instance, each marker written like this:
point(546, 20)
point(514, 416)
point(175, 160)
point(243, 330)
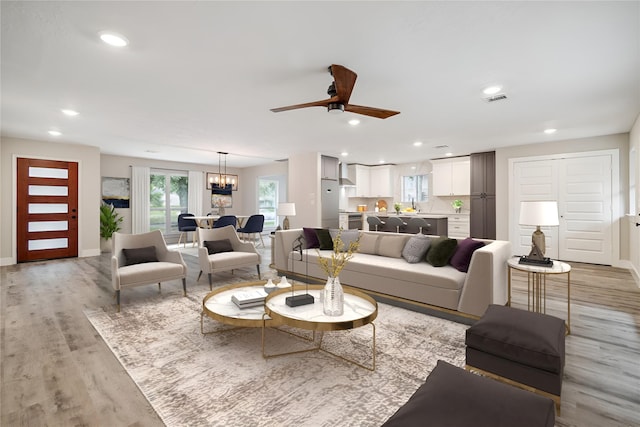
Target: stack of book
point(249, 298)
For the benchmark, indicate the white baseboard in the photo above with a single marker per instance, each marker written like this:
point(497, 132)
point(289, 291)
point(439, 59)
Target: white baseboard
point(7, 261)
point(90, 252)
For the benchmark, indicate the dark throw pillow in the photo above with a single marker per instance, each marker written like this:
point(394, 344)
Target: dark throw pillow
point(324, 237)
point(441, 251)
point(310, 237)
point(462, 256)
point(416, 248)
point(140, 255)
point(218, 246)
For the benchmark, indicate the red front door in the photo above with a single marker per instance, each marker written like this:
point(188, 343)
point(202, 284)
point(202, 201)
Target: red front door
point(47, 209)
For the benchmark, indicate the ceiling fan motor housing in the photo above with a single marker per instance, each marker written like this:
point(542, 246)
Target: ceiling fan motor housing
point(335, 107)
point(331, 91)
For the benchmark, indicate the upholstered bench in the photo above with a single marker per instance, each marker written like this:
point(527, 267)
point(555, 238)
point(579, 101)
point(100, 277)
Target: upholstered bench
point(519, 347)
point(454, 397)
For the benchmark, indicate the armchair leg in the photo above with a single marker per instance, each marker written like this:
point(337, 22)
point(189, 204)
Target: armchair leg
point(199, 275)
point(258, 268)
point(159, 288)
point(184, 286)
point(210, 282)
point(118, 300)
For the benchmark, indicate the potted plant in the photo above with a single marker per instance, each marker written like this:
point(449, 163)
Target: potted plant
point(457, 205)
point(397, 206)
point(109, 223)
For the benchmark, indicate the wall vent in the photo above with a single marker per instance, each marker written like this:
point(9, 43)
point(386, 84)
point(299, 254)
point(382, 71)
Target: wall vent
point(494, 98)
point(441, 146)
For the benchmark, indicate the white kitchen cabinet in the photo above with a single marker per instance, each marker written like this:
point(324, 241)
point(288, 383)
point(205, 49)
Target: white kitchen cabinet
point(372, 181)
point(451, 177)
point(381, 181)
point(458, 226)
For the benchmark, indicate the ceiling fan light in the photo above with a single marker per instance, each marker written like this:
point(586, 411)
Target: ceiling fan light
point(335, 107)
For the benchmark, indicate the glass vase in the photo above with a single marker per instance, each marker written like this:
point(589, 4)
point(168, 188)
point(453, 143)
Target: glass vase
point(333, 301)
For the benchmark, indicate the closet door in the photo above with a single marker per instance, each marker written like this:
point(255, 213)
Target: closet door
point(582, 186)
point(533, 181)
point(585, 209)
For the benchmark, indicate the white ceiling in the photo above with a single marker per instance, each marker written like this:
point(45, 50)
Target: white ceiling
point(200, 77)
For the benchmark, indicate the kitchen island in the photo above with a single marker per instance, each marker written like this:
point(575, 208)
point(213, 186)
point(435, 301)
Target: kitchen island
point(438, 223)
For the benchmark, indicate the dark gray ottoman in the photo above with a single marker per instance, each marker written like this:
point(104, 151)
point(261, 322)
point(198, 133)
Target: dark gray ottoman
point(453, 397)
point(519, 347)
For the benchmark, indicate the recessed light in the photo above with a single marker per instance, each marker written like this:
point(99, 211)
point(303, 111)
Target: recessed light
point(413, 167)
point(344, 154)
point(55, 133)
point(381, 161)
point(70, 113)
point(448, 154)
point(114, 39)
point(492, 90)
point(417, 143)
point(354, 122)
point(550, 131)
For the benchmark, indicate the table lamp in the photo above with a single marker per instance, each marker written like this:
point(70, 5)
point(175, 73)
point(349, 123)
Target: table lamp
point(538, 213)
point(286, 210)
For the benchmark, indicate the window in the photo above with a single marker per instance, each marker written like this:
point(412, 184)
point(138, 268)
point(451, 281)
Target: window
point(268, 201)
point(415, 188)
point(168, 198)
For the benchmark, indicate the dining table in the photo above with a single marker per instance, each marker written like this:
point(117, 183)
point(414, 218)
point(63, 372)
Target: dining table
point(207, 221)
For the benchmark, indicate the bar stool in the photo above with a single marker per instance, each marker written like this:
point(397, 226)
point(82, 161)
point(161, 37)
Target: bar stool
point(374, 222)
point(397, 222)
point(421, 223)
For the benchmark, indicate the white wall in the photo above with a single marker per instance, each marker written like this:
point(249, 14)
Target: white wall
point(304, 189)
point(88, 159)
point(634, 210)
point(249, 183)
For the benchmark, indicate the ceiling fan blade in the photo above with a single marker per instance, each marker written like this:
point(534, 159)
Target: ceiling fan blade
point(370, 111)
point(345, 79)
point(322, 103)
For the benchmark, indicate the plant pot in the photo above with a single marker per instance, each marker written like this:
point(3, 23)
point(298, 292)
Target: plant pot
point(105, 245)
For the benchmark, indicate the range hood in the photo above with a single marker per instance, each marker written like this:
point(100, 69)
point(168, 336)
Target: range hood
point(343, 179)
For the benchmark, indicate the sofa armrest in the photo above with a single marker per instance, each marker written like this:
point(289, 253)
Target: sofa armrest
point(486, 281)
point(176, 258)
point(283, 242)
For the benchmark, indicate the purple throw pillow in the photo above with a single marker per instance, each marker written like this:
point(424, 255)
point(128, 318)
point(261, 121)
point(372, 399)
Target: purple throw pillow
point(462, 256)
point(311, 238)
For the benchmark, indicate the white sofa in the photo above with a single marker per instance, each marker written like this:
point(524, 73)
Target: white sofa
point(468, 293)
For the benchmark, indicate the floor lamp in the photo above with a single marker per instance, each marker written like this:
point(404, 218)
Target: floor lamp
point(538, 213)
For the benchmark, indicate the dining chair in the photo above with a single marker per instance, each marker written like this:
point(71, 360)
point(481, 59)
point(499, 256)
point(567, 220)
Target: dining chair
point(186, 225)
point(254, 225)
point(225, 220)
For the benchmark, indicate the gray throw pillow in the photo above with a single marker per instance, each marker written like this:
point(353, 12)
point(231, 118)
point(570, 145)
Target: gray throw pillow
point(416, 248)
point(140, 255)
point(218, 246)
point(347, 237)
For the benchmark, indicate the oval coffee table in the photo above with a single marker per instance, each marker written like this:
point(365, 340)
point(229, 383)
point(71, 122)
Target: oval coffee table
point(359, 310)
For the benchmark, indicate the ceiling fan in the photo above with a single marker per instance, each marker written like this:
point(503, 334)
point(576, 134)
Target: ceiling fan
point(340, 92)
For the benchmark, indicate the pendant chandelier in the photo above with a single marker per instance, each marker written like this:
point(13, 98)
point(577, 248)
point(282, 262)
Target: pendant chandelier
point(222, 180)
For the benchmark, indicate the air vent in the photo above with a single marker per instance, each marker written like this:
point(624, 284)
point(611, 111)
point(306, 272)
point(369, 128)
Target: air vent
point(441, 146)
point(494, 98)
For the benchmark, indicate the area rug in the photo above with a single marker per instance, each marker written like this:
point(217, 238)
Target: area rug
point(222, 379)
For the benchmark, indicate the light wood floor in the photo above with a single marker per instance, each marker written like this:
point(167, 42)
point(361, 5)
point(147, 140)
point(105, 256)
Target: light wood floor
point(57, 371)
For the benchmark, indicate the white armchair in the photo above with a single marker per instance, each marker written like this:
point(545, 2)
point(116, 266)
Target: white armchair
point(142, 259)
point(227, 256)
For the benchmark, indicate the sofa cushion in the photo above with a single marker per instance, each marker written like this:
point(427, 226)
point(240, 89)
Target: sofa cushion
point(416, 248)
point(462, 256)
point(454, 397)
point(441, 251)
point(392, 245)
point(532, 339)
point(311, 238)
point(218, 246)
point(324, 237)
point(347, 236)
point(368, 243)
point(140, 255)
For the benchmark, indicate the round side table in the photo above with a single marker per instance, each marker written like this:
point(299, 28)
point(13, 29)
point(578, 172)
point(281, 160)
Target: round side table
point(537, 285)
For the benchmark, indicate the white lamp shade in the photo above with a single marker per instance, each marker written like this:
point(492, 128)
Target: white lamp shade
point(287, 209)
point(543, 213)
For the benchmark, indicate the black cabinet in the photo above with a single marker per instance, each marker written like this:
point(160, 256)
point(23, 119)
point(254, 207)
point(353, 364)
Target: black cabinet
point(482, 220)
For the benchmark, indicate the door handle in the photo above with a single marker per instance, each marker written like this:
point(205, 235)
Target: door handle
point(73, 217)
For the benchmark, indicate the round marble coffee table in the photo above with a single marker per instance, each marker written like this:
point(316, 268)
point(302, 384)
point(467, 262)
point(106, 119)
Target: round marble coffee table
point(359, 310)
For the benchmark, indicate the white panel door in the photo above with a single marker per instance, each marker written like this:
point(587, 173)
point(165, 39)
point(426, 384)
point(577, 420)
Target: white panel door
point(583, 188)
point(585, 209)
point(533, 180)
